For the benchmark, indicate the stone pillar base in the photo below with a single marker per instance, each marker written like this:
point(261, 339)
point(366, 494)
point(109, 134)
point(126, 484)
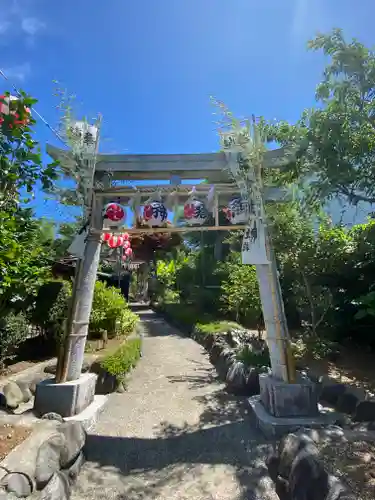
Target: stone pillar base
point(66, 399)
point(281, 399)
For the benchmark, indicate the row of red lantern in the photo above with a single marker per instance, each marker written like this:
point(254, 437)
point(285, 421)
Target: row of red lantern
point(119, 240)
point(7, 105)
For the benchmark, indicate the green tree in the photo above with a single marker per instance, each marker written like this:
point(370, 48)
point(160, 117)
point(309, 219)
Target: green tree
point(335, 142)
point(23, 240)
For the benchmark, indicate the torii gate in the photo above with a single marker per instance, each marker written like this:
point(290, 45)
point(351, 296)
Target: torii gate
point(111, 168)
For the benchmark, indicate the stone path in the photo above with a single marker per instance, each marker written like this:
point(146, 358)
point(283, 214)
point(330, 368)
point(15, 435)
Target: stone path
point(175, 434)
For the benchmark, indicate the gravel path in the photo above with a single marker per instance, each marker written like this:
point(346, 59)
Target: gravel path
point(175, 434)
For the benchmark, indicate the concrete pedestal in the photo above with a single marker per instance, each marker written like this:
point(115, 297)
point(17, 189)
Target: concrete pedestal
point(283, 407)
point(66, 399)
point(281, 399)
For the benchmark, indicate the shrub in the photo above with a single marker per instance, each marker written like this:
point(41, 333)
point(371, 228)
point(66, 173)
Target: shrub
point(123, 360)
point(253, 358)
point(45, 300)
point(14, 329)
point(59, 312)
point(110, 312)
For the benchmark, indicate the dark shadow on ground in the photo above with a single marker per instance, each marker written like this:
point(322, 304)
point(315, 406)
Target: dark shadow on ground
point(225, 434)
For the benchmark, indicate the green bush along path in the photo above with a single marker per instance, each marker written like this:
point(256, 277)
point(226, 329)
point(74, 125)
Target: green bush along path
point(175, 434)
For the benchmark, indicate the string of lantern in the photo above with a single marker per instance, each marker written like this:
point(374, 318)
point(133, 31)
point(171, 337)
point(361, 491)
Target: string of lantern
point(199, 204)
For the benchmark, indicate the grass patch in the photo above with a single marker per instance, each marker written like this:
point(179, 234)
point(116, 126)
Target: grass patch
point(215, 327)
point(123, 360)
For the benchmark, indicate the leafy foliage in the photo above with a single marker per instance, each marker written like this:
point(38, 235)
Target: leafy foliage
point(253, 358)
point(110, 312)
point(21, 167)
point(14, 329)
point(335, 142)
point(240, 292)
point(123, 360)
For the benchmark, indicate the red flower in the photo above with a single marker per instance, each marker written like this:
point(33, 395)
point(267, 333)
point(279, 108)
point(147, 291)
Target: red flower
point(147, 212)
point(189, 211)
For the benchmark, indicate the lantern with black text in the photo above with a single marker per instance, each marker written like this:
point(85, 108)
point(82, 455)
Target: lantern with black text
point(154, 212)
point(237, 211)
point(195, 211)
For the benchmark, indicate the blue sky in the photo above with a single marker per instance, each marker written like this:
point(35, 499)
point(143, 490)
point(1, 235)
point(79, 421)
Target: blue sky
point(149, 66)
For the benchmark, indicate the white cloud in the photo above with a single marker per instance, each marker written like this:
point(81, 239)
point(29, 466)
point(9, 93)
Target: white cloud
point(19, 72)
point(31, 25)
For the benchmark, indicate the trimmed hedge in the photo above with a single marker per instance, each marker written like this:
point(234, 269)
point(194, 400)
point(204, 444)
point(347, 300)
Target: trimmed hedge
point(186, 318)
point(123, 360)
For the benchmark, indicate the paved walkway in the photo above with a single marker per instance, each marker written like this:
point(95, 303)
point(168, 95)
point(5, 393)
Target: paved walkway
point(175, 434)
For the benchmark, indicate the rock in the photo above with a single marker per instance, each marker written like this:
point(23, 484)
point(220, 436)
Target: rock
point(3, 472)
point(73, 469)
point(252, 382)
point(4, 495)
point(121, 388)
point(13, 395)
point(365, 411)
point(331, 392)
point(75, 438)
point(217, 348)
point(58, 488)
point(343, 421)
point(51, 369)
point(236, 378)
point(333, 433)
point(53, 416)
point(224, 361)
point(18, 483)
point(272, 464)
point(3, 401)
point(347, 403)
point(105, 383)
point(85, 367)
point(27, 395)
point(289, 447)
point(308, 479)
point(48, 458)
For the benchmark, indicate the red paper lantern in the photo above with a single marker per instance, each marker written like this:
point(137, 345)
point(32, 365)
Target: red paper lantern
point(126, 236)
point(116, 241)
point(107, 236)
point(114, 213)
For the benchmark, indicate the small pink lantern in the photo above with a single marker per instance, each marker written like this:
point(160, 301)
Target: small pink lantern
point(116, 241)
point(126, 244)
point(128, 252)
point(114, 213)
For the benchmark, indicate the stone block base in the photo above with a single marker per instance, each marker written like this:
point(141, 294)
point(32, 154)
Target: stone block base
point(66, 399)
point(281, 399)
point(274, 427)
